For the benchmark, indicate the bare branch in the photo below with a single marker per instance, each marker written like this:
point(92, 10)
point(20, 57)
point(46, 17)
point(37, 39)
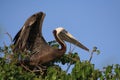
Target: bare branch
point(9, 36)
point(70, 51)
point(91, 54)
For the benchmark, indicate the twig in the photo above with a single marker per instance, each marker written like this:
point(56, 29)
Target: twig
point(70, 51)
point(4, 43)
point(37, 70)
point(26, 68)
point(68, 67)
point(9, 36)
point(91, 55)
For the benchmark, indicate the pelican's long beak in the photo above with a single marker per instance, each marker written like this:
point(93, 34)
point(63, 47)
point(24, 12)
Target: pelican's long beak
point(64, 35)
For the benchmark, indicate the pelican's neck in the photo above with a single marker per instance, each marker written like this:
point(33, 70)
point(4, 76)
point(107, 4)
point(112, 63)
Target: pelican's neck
point(61, 42)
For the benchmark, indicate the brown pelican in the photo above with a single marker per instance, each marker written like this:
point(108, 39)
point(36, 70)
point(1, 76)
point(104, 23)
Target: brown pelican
point(30, 38)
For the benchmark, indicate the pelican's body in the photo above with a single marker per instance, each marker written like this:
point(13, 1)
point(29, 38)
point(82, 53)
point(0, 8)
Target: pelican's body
point(30, 38)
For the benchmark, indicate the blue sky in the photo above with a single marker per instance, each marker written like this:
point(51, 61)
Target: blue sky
point(92, 22)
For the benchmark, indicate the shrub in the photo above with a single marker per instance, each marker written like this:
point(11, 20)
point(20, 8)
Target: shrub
point(82, 70)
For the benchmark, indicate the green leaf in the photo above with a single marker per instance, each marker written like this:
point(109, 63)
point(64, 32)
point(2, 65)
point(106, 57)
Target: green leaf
point(98, 52)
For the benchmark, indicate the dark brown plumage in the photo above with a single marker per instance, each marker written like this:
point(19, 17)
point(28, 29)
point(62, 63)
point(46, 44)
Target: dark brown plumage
point(30, 38)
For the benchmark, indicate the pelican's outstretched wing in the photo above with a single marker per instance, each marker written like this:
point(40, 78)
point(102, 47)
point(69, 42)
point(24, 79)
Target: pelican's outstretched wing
point(29, 32)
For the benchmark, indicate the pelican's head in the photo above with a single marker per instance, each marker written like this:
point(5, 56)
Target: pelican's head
point(62, 34)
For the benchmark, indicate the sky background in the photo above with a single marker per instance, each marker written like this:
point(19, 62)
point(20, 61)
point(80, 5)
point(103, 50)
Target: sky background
point(92, 22)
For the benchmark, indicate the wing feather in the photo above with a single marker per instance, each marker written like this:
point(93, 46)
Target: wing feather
point(29, 32)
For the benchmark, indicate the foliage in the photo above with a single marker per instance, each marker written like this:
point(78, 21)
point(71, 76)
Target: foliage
point(82, 70)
